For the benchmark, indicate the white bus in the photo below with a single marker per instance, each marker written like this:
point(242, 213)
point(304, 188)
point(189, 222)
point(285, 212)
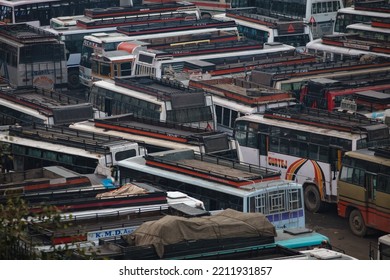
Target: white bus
point(319, 14)
point(39, 146)
point(254, 25)
point(280, 200)
point(366, 30)
point(39, 12)
point(157, 63)
point(158, 136)
point(348, 49)
point(31, 57)
point(306, 145)
point(157, 99)
point(72, 30)
point(28, 106)
point(235, 97)
point(351, 15)
point(100, 43)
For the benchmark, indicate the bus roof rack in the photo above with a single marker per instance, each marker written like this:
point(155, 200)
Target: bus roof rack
point(138, 9)
point(164, 89)
point(212, 168)
point(61, 135)
point(322, 118)
point(164, 130)
point(25, 33)
point(375, 6)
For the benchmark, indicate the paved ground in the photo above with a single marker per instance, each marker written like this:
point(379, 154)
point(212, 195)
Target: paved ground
point(337, 229)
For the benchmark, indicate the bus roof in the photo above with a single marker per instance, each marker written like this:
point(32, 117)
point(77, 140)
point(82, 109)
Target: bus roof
point(71, 30)
point(107, 37)
point(341, 76)
point(90, 126)
point(47, 146)
point(266, 49)
point(24, 33)
point(16, 3)
point(302, 127)
point(380, 155)
point(367, 27)
point(319, 46)
point(64, 139)
point(353, 11)
point(126, 91)
point(139, 164)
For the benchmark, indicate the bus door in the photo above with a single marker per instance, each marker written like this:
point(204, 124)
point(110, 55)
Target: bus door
point(263, 144)
point(370, 186)
point(108, 105)
point(335, 156)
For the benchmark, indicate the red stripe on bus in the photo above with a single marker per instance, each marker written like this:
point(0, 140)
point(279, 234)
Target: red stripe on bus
point(140, 132)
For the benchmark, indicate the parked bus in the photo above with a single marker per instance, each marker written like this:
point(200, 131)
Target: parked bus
point(254, 24)
point(31, 57)
point(320, 14)
point(72, 30)
point(330, 52)
point(292, 79)
point(381, 251)
point(364, 190)
point(328, 94)
point(366, 30)
point(158, 99)
point(306, 145)
point(83, 152)
point(156, 63)
point(138, 9)
point(235, 97)
point(225, 186)
point(99, 43)
point(157, 136)
point(39, 12)
point(360, 13)
point(28, 106)
point(206, 6)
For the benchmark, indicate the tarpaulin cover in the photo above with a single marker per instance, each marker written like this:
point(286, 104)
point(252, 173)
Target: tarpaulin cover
point(174, 229)
point(126, 190)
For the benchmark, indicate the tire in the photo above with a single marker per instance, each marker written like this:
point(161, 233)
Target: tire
point(312, 199)
point(73, 80)
point(356, 223)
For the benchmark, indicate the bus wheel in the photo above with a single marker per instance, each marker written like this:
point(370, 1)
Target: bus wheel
point(73, 79)
point(312, 199)
point(356, 223)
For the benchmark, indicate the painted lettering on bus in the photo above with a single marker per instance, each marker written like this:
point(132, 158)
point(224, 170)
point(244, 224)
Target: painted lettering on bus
point(95, 235)
point(277, 162)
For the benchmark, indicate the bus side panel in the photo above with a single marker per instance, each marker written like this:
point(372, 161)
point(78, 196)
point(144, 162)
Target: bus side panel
point(379, 212)
point(351, 197)
point(303, 170)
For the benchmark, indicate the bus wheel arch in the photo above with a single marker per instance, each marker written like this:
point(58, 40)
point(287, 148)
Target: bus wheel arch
point(312, 198)
point(357, 223)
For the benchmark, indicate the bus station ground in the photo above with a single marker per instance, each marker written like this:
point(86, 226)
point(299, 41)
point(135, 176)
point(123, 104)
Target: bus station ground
point(337, 230)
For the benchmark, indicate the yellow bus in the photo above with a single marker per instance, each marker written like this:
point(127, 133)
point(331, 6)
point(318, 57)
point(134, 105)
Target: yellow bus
point(364, 189)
